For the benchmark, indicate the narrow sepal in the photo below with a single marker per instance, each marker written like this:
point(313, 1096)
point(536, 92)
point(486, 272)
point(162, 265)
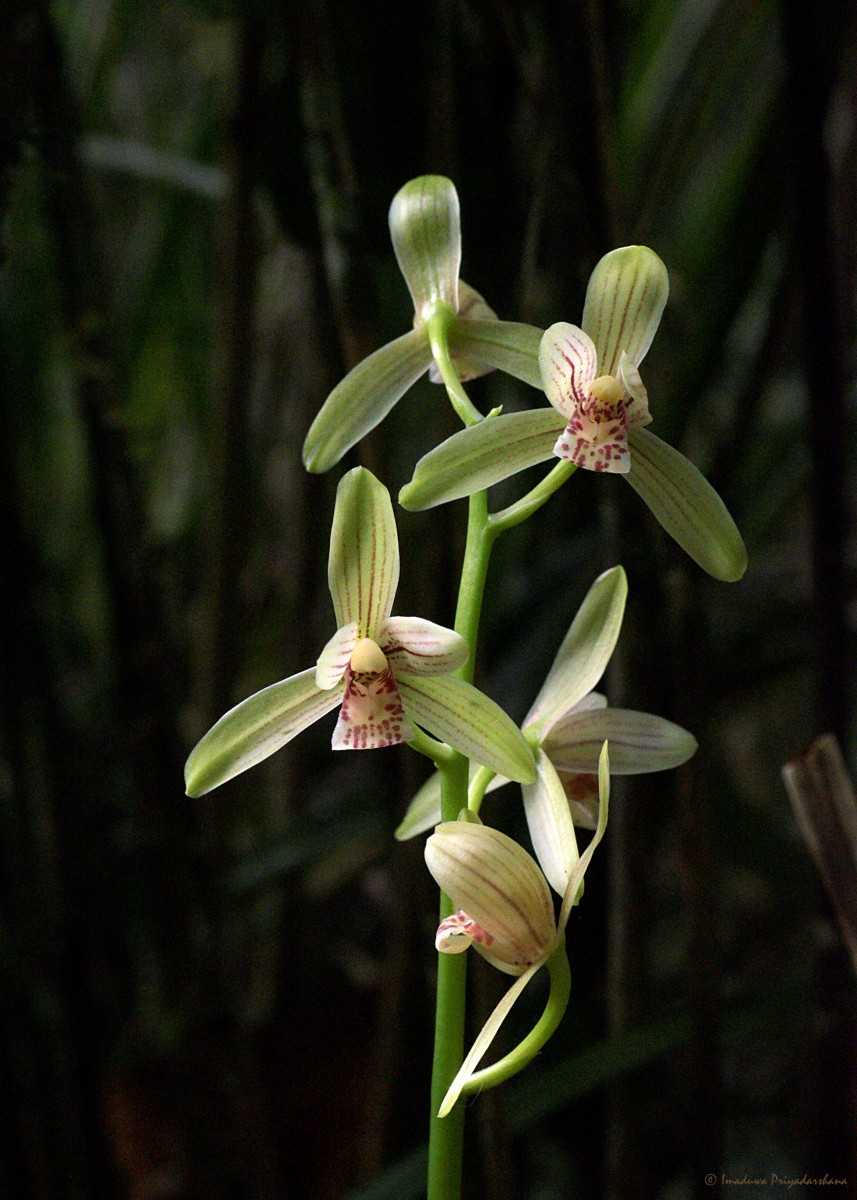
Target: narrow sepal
point(686, 505)
point(509, 346)
point(480, 456)
point(484, 1039)
point(639, 742)
point(573, 889)
point(458, 713)
point(363, 398)
point(625, 300)
point(425, 226)
point(363, 567)
point(255, 728)
point(500, 887)
point(335, 657)
point(420, 647)
point(550, 824)
point(585, 651)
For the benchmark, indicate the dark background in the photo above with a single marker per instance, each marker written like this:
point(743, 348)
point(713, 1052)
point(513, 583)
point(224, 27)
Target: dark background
point(232, 997)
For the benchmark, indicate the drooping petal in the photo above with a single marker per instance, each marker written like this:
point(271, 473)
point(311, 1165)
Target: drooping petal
point(480, 456)
point(420, 647)
point(363, 567)
point(255, 728)
point(573, 889)
point(686, 505)
point(498, 885)
point(471, 307)
point(625, 300)
point(550, 824)
point(372, 715)
point(507, 345)
point(425, 226)
point(458, 713)
point(639, 742)
point(335, 657)
point(585, 651)
point(363, 398)
point(484, 1039)
point(567, 362)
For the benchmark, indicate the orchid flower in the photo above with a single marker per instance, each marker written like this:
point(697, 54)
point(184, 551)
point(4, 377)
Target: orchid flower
point(450, 319)
point(505, 912)
point(386, 674)
point(597, 420)
point(566, 726)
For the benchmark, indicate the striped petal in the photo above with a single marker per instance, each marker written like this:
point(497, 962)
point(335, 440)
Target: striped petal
point(335, 657)
point(585, 651)
point(639, 742)
point(425, 227)
point(625, 300)
point(480, 456)
point(458, 713)
point(686, 505)
point(550, 824)
point(363, 568)
point(255, 728)
point(372, 715)
point(507, 345)
point(420, 647)
point(567, 361)
point(363, 399)
point(500, 887)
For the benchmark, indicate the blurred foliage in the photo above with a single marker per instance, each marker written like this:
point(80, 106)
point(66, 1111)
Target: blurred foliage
point(232, 997)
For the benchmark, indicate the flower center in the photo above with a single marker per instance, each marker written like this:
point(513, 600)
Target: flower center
point(367, 658)
point(606, 390)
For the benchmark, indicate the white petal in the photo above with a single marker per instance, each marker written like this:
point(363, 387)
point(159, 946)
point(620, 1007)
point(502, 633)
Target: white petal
point(486, 1036)
point(363, 567)
point(625, 300)
point(372, 715)
point(550, 824)
point(639, 742)
point(585, 651)
point(363, 398)
point(335, 657)
point(255, 728)
point(458, 713)
point(568, 361)
point(571, 892)
point(420, 647)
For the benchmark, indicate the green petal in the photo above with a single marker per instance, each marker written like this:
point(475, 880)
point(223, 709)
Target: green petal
point(572, 892)
point(480, 456)
point(255, 728)
point(625, 300)
point(507, 345)
point(585, 651)
point(550, 824)
point(426, 230)
point(639, 742)
point(687, 506)
point(363, 399)
point(458, 713)
point(363, 568)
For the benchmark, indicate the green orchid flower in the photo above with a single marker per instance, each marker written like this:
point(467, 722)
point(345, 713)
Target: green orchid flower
point(386, 674)
point(505, 911)
point(452, 324)
point(591, 376)
point(567, 726)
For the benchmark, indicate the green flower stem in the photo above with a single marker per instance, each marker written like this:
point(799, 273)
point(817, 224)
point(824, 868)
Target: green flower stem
point(507, 518)
point(437, 326)
point(525, 1051)
point(476, 791)
point(425, 744)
